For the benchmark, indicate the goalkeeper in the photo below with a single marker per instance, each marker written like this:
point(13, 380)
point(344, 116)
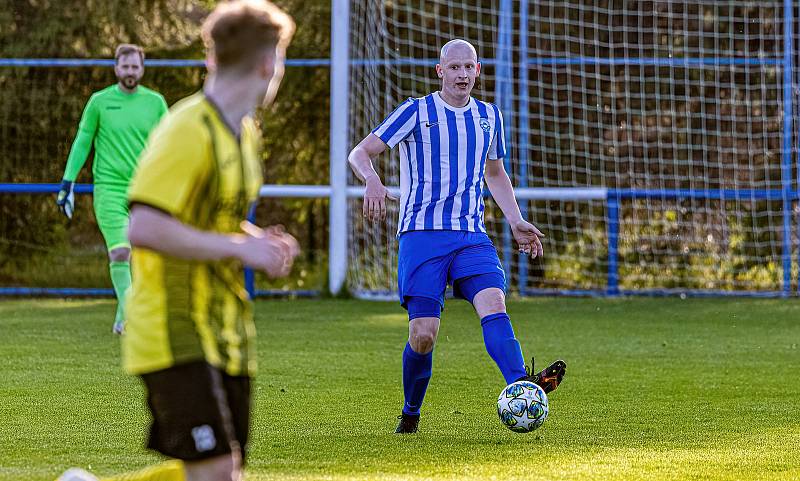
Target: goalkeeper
point(116, 121)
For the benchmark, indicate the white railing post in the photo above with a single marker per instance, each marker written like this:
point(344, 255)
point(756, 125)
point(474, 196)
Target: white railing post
point(339, 135)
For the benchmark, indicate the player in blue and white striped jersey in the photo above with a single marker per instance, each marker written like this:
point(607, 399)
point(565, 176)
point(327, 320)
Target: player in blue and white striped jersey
point(450, 143)
point(443, 154)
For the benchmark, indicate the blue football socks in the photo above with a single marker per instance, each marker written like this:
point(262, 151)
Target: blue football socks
point(416, 375)
point(503, 347)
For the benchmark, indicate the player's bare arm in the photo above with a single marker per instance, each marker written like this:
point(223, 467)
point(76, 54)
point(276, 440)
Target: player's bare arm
point(526, 234)
point(270, 250)
point(360, 160)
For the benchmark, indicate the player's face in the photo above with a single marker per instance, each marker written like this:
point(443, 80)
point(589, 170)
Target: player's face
point(458, 72)
point(129, 70)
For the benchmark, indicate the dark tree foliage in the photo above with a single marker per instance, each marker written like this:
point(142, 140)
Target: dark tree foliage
point(40, 108)
point(622, 126)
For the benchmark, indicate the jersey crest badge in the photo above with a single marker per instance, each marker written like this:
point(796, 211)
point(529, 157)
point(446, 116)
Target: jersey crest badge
point(484, 123)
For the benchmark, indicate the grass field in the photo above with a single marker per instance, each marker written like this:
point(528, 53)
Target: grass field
point(657, 389)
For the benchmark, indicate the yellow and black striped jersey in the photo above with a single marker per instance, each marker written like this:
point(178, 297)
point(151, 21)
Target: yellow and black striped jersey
point(179, 311)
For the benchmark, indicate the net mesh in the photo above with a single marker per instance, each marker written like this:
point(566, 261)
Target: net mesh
point(39, 112)
point(40, 108)
point(675, 107)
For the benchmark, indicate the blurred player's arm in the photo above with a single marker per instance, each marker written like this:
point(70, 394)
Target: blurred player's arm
point(360, 160)
point(270, 250)
point(175, 164)
point(525, 233)
point(81, 146)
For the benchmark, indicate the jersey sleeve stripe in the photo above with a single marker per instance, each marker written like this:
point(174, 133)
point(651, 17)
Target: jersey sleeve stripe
point(405, 156)
point(479, 185)
point(418, 180)
point(500, 136)
point(398, 124)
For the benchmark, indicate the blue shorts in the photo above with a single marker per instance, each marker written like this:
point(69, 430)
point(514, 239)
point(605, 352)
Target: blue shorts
point(430, 260)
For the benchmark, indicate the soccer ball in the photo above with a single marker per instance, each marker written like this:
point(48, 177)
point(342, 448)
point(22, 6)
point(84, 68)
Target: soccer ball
point(522, 407)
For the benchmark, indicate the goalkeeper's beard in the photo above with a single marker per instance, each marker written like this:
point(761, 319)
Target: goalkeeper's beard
point(129, 82)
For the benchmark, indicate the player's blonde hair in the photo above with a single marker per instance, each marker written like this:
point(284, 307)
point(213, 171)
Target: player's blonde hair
point(237, 33)
point(127, 49)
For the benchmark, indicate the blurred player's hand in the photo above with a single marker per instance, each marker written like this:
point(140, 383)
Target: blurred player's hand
point(529, 238)
point(375, 199)
point(288, 239)
point(271, 250)
point(66, 198)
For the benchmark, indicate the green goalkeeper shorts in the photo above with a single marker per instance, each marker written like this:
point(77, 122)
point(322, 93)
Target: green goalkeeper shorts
point(111, 212)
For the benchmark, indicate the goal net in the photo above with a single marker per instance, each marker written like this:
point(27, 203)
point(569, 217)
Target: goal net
point(650, 141)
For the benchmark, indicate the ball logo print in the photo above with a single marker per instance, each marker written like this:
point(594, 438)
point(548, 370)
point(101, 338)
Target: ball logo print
point(522, 407)
point(204, 439)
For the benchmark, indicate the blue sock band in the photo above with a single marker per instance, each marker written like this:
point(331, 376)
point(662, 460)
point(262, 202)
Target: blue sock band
point(503, 347)
point(416, 375)
point(468, 287)
point(422, 307)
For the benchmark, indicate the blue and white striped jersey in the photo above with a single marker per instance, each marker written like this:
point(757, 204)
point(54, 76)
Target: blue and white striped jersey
point(443, 152)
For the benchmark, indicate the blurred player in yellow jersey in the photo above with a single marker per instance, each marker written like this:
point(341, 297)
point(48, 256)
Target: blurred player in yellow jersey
point(190, 331)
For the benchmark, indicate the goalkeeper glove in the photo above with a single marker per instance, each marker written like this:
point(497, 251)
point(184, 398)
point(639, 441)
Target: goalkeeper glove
point(66, 198)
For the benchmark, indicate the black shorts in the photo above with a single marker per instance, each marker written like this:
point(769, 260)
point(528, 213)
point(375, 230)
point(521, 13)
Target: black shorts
point(198, 411)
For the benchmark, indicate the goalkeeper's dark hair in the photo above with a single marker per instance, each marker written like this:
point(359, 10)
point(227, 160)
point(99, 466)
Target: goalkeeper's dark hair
point(238, 33)
point(127, 49)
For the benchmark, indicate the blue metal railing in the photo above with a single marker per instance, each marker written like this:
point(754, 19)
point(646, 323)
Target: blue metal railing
point(28, 188)
point(524, 127)
point(505, 97)
point(104, 62)
point(786, 158)
point(612, 227)
point(415, 62)
point(613, 200)
point(92, 292)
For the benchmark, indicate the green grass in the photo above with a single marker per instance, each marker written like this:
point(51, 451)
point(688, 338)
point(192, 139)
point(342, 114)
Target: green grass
point(657, 389)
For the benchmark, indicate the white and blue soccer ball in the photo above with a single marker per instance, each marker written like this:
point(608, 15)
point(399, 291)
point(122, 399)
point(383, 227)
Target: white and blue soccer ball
point(522, 407)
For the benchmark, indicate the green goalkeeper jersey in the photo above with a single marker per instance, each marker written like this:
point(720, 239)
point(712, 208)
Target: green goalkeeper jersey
point(117, 124)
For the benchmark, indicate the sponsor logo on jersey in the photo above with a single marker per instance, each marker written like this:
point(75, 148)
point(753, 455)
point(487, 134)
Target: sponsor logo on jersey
point(204, 439)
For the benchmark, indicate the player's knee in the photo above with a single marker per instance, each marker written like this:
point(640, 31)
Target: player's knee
point(423, 317)
point(422, 341)
point(120, 254)
point(489, 301)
